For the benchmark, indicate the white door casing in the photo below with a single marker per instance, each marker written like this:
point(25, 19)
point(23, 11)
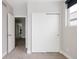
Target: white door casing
point(45, 31)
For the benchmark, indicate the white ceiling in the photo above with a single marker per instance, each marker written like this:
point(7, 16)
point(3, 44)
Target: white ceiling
point(15, 2)
point(20, 6)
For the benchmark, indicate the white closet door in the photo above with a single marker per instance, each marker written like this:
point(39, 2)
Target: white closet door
point(45, 31)
point(11, 33)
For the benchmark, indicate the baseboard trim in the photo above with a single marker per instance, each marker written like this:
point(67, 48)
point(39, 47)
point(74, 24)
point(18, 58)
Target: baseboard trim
point(44, 51)
point(65, 54)
point(29, 52)
point(4, 54)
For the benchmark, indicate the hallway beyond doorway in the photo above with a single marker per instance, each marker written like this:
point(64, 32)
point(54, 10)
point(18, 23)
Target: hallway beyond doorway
point(20, 32)
point(20, 42)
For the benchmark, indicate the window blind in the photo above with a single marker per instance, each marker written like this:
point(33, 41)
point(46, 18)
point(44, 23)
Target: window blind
point(70, 3)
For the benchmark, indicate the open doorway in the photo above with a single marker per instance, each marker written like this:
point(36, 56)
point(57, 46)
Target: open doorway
point(20, 32)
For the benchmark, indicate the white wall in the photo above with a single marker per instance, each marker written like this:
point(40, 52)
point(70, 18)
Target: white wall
point(6, 8)
point(17, 30)
point(69, 37)
point(40, 7)
point(23, 28)
point(4, 30)
point(20, 10)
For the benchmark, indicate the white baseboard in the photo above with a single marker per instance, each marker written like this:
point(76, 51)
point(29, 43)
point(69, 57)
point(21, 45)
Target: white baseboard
point(44, 51)
point(29, 52)
point(4, 54)
point(65, 54)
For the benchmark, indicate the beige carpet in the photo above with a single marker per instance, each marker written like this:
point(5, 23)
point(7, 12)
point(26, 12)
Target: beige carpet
point(20, 53)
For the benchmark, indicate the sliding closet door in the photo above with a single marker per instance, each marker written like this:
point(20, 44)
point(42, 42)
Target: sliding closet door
point(45, 31)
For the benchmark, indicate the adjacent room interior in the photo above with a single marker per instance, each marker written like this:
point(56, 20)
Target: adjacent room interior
point(20, 32)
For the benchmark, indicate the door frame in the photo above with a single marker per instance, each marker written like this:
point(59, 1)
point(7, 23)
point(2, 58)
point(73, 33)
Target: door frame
point(25, 26)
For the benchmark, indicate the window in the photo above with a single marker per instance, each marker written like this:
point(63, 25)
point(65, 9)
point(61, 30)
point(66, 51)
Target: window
point(72, 15)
